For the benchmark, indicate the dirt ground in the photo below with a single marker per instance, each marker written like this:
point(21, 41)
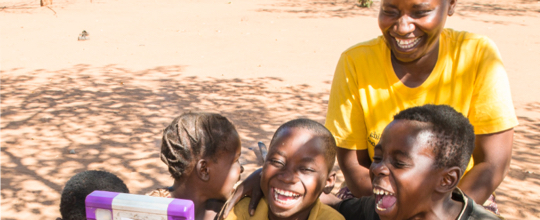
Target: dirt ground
point(69, 106)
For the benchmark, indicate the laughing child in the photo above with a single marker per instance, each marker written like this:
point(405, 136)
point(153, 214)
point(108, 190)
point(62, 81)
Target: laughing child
point(201, 151)
point(418, 163)
point(297, 169)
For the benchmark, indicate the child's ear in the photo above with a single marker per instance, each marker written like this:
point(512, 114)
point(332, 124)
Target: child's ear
point(330, 182)
point(203, 171)
point(449, 180)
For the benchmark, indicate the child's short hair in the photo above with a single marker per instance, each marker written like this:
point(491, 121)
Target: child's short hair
point(72, 202)
point(454, 133)
point(318, 130)
point(193, 135)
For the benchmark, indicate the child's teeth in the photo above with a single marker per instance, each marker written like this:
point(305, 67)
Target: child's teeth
point(382, 192)
point(279, 192)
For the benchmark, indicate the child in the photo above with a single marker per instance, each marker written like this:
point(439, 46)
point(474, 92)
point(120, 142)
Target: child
point(297, 169)
point(418, 163)
point(201, 151)
point(72, 205)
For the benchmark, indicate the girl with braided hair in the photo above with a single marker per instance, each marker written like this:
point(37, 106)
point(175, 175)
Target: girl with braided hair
point(201, 151)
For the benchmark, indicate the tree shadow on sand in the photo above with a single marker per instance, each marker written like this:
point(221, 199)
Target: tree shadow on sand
point(521, 185)
point(56, 124)
point(350, 8)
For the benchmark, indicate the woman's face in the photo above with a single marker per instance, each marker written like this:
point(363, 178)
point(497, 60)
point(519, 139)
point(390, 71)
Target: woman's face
point(412, 28)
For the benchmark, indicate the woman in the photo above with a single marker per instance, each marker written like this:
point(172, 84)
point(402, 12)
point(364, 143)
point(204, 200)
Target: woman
point(416, 61)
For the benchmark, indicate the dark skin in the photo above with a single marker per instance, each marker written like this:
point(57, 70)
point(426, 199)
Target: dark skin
point(210, 181)
point(401, 20)
point(491, 155)
point(405, 166)
point(423, 20)
point(295, 162)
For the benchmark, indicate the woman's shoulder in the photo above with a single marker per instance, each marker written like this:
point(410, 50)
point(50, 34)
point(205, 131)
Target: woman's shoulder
point(375, 45)
point(464, 38)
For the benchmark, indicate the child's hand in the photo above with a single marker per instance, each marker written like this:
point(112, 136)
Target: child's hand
point(251, 187)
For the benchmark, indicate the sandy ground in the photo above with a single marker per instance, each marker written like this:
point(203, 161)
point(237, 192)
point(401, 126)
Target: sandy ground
point(69, 106)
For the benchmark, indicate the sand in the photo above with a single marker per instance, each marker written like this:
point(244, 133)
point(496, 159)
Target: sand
point(69, 106)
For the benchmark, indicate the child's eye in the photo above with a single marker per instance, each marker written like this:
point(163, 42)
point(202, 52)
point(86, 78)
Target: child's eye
point(306, 170)
point(377, 159)
point(422, 13)
point(389, 12)
point(399, 164)
point(277, 163)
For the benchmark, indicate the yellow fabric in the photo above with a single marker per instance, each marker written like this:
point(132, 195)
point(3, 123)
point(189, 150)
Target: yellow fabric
point(318, 212)
point(366, 93)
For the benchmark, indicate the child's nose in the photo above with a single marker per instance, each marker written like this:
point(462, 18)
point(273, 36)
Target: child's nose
point(379, 169)
point(287, 176)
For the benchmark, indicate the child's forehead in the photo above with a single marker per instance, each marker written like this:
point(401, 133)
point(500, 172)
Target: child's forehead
point(297, 138)
point(293, 134)
point(405, 135)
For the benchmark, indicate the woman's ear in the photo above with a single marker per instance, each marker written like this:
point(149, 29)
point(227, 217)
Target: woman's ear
point(330, 182)
point(451, 7)
point(450, 179)
point(203, 171)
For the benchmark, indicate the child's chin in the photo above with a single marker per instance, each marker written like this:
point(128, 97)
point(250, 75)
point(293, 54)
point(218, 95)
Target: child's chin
point(287, 209)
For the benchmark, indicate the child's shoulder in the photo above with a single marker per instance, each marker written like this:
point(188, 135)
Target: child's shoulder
point(471, 210)
point(358, 208)
point(327, 212)
point(161, 192)
point(241, 209)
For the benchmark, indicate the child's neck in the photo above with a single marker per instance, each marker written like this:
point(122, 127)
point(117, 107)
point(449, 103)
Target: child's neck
point(445, 208)
point(302, 215)
point(205, 208)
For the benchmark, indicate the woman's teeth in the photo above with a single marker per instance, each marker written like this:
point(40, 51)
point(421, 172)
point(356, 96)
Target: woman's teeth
point(407, 43)
point(284, 196)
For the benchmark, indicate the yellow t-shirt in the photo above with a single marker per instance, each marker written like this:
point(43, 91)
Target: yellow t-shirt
point(318, 212)
point(366, 93)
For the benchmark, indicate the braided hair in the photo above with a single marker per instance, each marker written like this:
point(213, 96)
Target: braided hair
point(195, 135)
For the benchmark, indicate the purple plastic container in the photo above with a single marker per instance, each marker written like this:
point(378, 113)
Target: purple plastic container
point(102, 205)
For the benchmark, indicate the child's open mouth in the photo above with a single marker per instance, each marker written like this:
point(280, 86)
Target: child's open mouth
point(384, 199)
point(285, 197)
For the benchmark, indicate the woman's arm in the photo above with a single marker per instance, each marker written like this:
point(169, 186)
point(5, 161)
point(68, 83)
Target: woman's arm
point(492, 155)
point(355, 167)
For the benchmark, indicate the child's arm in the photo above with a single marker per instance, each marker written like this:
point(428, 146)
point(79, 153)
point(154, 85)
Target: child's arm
point(330, 200)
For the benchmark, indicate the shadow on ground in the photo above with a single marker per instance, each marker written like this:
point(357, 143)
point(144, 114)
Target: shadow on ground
point(56, 124)
point(350, 8)
point(520, 187)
